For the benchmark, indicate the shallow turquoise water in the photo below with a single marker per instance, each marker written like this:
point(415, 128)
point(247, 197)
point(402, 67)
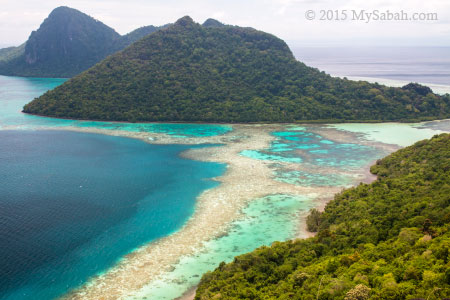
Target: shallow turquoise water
point(297, 145)
point(15, 92)
point(300, 146)
point(265, 220)
point(272, 218)
point(313, 179)
point(263, 155)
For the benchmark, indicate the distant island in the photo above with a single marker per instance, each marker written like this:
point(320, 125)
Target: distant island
point(67, 43)
point(385, 240)
point(213, 72)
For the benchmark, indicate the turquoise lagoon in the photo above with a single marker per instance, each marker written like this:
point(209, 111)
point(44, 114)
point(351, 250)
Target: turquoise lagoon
point(265, 220)
point(297, 145)
point(276, 217)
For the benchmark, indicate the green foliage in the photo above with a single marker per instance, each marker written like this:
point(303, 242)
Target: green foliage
point(386, 240)
point(188, 72)
point(419, 89)
point(313, 220)
point(67, 43)
point(359, 292)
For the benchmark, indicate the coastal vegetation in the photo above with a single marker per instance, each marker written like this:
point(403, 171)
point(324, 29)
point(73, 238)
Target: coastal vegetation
point(219, 73)
point(386, 240)
point(67, 43)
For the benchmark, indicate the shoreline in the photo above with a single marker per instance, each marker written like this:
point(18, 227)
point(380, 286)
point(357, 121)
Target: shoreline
point(228, 123)
point(188, 295)
point(244, 180)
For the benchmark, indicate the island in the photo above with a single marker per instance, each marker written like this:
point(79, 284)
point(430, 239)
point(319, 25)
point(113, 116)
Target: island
point(67, 43)
point(220, 73)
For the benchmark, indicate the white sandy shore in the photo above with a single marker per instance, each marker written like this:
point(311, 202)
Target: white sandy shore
point(189, 295)
point(244, 180)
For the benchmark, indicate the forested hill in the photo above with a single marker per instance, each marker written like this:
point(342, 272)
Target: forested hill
point(67, 43)
point(385, 240)
point(217, 73)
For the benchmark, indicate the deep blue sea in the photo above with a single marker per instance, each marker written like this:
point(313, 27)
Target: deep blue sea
point(71, 204)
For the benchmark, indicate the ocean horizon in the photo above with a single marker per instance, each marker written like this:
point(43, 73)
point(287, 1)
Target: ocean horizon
point(411, 64)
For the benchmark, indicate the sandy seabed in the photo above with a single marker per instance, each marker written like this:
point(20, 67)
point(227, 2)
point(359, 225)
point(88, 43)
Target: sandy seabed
point(245, 179)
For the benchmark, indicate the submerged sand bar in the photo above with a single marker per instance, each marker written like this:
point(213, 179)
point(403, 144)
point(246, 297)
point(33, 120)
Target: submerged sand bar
point(244, 180)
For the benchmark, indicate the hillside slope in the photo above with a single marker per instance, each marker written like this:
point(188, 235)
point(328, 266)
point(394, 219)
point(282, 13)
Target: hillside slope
point(217, 73)
point(10, 53)
point(385, 240)
point(67, 43)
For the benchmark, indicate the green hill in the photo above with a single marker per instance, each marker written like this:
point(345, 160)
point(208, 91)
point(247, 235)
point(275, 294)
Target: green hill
point(212, 23)
point(218, 73)
point(67, 43)
point(385, 240)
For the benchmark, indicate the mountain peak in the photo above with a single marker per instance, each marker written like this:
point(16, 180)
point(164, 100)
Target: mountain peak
point(213, 23)
point(67, 42)
point(185, 21)
point(62, 10)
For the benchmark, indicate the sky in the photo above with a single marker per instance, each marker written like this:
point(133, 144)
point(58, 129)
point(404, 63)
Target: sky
point(341, 23)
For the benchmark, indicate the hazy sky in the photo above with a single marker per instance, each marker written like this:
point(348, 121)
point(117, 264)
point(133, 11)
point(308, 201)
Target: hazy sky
point(284, 18)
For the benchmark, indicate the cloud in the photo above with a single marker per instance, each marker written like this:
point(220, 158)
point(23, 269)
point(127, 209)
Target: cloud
point(284, 18)
point(218, 15)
